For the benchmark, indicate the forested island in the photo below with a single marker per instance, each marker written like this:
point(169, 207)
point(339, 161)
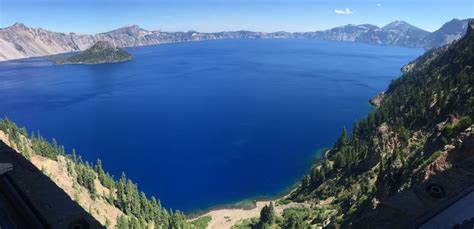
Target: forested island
point(420, 134)
point(100, 53)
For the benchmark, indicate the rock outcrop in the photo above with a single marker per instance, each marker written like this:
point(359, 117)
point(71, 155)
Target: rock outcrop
point(377, 100)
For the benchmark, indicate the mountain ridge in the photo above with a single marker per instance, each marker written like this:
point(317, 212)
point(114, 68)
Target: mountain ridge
point(20, 41)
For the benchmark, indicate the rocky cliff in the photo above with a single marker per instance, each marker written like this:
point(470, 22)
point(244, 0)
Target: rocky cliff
point(409, 156)
point(19, 41)
point(449, 32)
point(395, 33)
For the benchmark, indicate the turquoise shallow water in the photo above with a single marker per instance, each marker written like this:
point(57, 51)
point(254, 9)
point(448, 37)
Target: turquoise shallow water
point(205, 123)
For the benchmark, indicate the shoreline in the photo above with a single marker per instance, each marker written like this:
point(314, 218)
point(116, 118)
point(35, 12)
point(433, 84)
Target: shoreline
point(251, 202)
point(241, 205)
point(193, 41)
point(225, 218)
point(227, 215)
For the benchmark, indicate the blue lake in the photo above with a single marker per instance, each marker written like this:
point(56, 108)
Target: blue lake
point(206, 123)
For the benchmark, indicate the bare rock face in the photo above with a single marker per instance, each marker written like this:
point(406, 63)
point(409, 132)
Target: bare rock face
point(383, 144)
point(449, 32)
point(19, 41)
point(395, 33)
point(377, 100)
point(408, 67)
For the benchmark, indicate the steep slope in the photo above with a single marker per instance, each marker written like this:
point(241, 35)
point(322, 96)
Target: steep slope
point(19, 41)
point(115, 203)
point(420, 135)
point(345, 33)
point(448, 33)
point(395, 33)
point(403, 26)
point(129, 36)
point(57, 171)
point(404, 34)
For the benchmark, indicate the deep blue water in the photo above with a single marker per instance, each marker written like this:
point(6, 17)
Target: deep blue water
point(205, 123)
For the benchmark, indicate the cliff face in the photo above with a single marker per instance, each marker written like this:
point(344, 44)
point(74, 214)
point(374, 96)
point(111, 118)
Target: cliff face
point(421, 136)
point(19, 41)
point(448, 33)
point(108, 200)
point(395, 33)
point(56, 170)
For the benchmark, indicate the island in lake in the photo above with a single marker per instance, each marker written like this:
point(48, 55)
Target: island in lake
point(212, 123)
point(100, 53)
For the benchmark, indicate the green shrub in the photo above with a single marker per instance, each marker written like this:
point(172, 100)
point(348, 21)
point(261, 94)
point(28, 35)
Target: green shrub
point(430, 159)
point(201, 222)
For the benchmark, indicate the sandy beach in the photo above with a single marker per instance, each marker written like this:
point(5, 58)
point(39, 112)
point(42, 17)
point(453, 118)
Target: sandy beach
point(227, 217)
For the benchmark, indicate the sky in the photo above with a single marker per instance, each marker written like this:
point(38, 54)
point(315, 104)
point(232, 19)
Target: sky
point(94, 16)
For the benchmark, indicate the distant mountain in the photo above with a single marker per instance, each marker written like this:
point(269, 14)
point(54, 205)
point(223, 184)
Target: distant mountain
point(449, 32)
point(19, 41)
point(99, 53)
point(342, 33)
point(395, 33)
point(405, 34)
point(401, 26)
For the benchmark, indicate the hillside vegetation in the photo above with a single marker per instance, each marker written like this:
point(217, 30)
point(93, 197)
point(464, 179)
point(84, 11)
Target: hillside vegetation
point(114, 202)
point(422, 127)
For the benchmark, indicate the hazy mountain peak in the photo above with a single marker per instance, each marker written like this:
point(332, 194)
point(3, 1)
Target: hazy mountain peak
point(470, 27)
point(101, 45)
point(369, 26)
point(19, 25)
point(454, 20)
point(401, 26)
point(130, 29)
point(451, 25)
point(397, 23)
point(449, 32)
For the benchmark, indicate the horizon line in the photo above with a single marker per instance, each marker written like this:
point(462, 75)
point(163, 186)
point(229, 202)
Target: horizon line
point(238, 30)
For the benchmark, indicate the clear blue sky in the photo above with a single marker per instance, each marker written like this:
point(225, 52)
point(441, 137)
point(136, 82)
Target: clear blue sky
point(92, 16)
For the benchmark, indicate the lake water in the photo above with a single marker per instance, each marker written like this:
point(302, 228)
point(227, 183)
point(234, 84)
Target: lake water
point(205, 123)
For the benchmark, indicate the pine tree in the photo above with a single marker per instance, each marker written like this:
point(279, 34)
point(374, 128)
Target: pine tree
point(267, 214)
